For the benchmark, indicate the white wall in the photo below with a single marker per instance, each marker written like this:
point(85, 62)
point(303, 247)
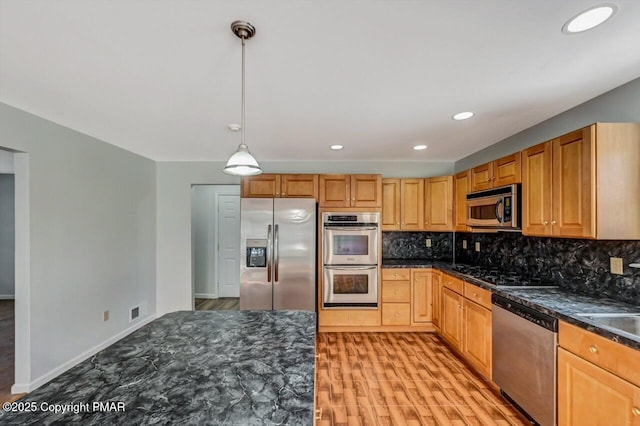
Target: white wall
point(6, 162)
point(619, 105)
point(85, 242)
point(7, 235)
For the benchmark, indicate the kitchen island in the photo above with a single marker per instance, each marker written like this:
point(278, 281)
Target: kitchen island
point(190, 367)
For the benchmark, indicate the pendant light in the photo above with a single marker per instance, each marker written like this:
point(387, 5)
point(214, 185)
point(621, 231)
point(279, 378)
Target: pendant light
point(242, 163)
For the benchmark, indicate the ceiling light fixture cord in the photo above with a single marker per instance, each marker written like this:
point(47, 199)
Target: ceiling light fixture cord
point(242, 115)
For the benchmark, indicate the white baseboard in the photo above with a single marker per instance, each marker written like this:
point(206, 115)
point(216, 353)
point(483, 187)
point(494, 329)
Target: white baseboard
point(28, 387)
point(205, 296)
point(7, 296)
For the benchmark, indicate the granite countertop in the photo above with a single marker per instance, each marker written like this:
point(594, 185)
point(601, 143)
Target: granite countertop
point(559, 303)
point(192, 367)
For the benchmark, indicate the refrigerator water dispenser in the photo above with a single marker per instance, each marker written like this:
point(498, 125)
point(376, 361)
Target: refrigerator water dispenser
point(256, 253)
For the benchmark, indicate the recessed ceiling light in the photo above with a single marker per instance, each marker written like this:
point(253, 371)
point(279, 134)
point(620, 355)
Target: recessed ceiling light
point(420, 147)
point(336, 147)
point(463, 115)
point(590, 18)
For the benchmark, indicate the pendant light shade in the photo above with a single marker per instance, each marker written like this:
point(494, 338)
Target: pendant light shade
point(242, 163)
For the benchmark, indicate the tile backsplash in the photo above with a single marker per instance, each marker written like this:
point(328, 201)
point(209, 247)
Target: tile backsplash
point(578, 265)
point(412, 245)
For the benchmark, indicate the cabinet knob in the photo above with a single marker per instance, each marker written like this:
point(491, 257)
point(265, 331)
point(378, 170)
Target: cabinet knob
point(553, 222)
point(475, 294)
point(396, 315)
point(593, 349)
point(283, 194)
point(353, 199)
point(636, 411)
point(395, 275)
point(396, 292)
point(319, 414)
point(546, 222)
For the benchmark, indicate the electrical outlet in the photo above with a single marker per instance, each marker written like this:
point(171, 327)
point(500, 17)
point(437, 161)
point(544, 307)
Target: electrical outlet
point(477, 245)
point(428, 242)
point(464, 244)
point(105, 316)
point(616, 265)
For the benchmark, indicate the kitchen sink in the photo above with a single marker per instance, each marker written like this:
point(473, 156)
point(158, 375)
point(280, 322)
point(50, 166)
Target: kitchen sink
point(628, 323)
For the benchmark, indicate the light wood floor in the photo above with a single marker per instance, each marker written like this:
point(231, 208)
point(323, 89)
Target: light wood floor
point(7, 338)
point(401, 379)
point(220, 304)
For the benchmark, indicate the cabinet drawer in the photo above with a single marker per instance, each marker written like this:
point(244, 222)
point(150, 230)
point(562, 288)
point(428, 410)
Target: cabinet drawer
point(396, 314)
point(396, 291)
point(479, 295)
point(614, 357)
point(452, 283)
point(349, 317)
point(396, 274)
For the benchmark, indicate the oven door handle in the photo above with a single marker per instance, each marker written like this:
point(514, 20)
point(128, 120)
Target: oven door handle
point(350, 228)
point(350, 268)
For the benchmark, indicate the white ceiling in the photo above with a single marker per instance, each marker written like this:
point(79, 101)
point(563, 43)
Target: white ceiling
point(162, 78)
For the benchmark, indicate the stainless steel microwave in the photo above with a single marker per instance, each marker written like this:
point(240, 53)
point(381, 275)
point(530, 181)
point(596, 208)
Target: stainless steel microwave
point(495, 208)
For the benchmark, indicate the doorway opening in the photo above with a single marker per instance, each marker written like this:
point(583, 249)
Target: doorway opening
point(215, 236)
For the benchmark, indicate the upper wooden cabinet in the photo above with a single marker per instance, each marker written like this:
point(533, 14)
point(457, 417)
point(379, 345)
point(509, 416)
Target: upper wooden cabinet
point(461, 187)
point(438, 203)
point(350, 191)
point(584, 184)
point(269, 185)
point(402, 204)
point(500, 172)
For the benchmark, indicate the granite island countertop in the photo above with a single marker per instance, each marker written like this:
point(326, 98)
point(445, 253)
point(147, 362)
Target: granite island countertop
point(557, 302)
point(192, 367)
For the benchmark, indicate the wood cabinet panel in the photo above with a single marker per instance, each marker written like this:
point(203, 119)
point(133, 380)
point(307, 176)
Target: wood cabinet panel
point(366, 190)
point(396, 291)
point(589, 395)
point(299, 186)
point(437, 298)
point(536, 190)
point(396, 314)
point(345, 317)
point(482, 177)
point(412, 204)
point(335, 190)
point(476, 344)
point(438, 206)
point(478, 295)
point(395, 274)
point(422, 296)
point(451, 320)
point(507, 170)
point(452, 283)
point(390, 217)
point(462, 186)
point(265, 185)
point(573, 182)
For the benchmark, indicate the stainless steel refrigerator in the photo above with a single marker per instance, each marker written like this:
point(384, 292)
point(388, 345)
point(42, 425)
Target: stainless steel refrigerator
point(278, 253)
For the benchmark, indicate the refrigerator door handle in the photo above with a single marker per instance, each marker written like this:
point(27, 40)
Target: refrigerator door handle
point(269, 253)
point(276, 252)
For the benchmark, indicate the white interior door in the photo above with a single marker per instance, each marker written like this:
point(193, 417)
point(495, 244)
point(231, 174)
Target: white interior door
point(228, 245)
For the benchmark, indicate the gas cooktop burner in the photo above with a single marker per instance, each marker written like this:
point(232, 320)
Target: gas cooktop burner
point(500, 278)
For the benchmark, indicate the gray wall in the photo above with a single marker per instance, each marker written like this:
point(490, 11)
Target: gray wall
point(91, 220)
point(7, 237)
point(621, 104)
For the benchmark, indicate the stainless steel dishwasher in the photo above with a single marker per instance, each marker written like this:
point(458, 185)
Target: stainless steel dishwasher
point(524, 358)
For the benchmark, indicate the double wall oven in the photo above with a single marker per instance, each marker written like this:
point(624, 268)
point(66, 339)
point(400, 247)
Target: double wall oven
point(350, 259)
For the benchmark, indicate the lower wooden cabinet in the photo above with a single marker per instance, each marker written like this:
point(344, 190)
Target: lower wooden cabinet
point(407, 298)
point(436, 279)
point(451, 321)
point(422, 296)
point(396, 313)
point(476, 336)
point(590, 395)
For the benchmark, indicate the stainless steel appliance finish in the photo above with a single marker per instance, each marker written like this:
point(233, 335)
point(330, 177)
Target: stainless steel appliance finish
point(350, 259)
point(495, 208)
point(278, 253)
point(350, 238)
point(524, 358)
point(350, 286)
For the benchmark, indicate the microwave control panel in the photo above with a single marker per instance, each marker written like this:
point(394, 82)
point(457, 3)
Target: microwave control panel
point(506, 216)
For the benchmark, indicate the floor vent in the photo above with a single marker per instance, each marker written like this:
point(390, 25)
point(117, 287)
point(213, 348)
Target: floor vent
point(135, 313)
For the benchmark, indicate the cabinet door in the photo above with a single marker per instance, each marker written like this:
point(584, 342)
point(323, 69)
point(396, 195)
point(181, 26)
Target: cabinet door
point(476, 346)
point(506, 170)
point(390, 204)
point(589, 395)
point(412, 204)
point(438, 213)
point(366, 190)
point(482, 177)
point(299, 186)
point(536, 190)
point(462, 186)
point(262, 186)
point(574, 185)
point(335, 190)
point(436, 280)
point(451, 321)
point(421, 296)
